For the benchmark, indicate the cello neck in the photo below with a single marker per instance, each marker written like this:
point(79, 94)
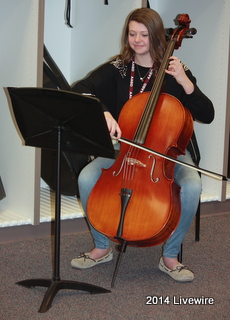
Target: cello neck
point(146, 118)
point(178, 35)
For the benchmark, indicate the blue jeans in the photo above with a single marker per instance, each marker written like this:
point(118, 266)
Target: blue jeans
point(189, 181)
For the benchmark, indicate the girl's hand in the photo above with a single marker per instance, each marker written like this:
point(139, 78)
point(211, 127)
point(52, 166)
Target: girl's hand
point(176, 70)
point(114, 129)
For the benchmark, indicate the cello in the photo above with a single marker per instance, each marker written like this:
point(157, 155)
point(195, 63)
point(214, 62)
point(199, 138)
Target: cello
point(136, 201)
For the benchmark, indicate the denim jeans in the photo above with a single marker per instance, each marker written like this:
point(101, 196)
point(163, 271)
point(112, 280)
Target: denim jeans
point(188, 180)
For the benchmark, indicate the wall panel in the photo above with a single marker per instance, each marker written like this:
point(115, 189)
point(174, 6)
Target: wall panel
point(19, 24)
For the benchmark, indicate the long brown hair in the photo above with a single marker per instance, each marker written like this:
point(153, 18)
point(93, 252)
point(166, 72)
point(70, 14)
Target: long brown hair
point(154, 24)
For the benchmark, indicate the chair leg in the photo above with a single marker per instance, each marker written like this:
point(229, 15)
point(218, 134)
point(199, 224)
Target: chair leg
point(197, 232)
point(197, 227)
point(179, 257)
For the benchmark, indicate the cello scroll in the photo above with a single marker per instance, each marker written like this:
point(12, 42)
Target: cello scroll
point(183, 31)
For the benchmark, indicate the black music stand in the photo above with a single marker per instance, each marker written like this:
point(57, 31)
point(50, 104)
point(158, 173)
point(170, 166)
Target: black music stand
point(63, 121)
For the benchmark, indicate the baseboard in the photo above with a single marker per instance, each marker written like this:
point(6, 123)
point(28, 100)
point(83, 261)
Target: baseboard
point(46, 229)
point(215, 207)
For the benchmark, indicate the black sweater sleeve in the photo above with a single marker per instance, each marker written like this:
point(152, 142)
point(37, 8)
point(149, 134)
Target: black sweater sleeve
point(197, 102)
point(101, 83)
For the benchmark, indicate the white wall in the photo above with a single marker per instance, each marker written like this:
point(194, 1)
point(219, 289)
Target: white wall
point(19, 22)
point(207, 55)
point(94, 38)
point(96, 33)
point(57, 35)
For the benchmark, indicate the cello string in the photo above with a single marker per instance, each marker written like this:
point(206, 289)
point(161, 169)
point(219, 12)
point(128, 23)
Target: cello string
point(135, 152)
point(130, 164)
point(125, 179)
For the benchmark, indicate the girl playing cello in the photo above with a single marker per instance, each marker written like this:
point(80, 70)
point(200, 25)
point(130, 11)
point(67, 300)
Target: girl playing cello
point(114, 83)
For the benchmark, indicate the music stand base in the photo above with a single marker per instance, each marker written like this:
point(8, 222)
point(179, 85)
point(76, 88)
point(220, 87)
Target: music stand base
point(55, 285)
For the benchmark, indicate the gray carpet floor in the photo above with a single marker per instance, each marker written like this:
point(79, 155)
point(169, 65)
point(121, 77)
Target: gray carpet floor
point(141, 291)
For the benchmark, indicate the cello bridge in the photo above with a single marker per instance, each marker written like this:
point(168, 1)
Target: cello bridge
point(132, 162)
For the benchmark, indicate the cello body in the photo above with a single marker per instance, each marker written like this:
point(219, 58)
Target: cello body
point(137, 199)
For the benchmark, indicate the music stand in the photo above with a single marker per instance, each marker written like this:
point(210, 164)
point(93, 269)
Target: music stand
point(62, 121)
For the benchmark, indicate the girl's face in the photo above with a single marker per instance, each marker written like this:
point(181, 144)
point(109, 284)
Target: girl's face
point(138, 38)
